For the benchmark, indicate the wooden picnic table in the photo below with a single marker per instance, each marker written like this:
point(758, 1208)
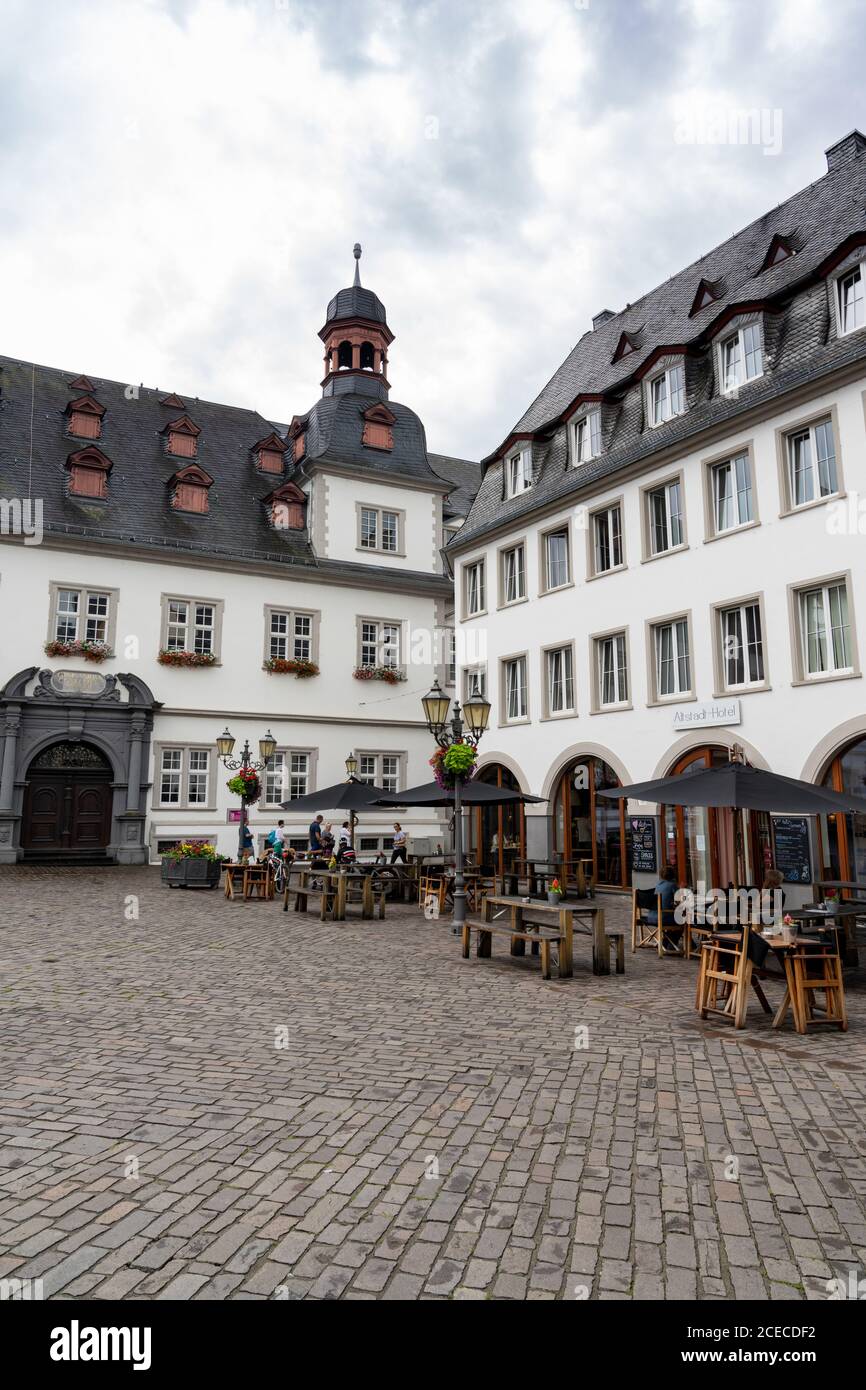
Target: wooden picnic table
point(586, 918)
point(541, 871)
point(251, 879)
point(337, 888)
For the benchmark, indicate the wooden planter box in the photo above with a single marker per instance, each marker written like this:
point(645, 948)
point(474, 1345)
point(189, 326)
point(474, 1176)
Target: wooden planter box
point(191, 873)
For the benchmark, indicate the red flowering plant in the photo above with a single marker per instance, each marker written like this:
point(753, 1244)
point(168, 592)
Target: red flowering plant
point(391, 674)
point(172, 658)
point(91, 651)
point(245, 784)
point(297, 666)
point(194, 849)
point(453, 764)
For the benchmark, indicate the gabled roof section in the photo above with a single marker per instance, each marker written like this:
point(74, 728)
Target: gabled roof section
point(183, 425)
point(270, 441)
point(706, 293)
point(192, 473)
point(86, 405)
point(780, 248)
point(379, 414)
point(628, 343)
point(173, 402)
point(82, 383)
point(89, 457)
point(286, 492)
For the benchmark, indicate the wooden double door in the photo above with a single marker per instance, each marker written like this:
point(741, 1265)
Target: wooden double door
point(67, 808)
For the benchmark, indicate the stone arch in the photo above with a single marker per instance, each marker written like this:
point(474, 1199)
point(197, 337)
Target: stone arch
point(830, 745)
point(490, 759)
point(725, 738)
point(583, 750)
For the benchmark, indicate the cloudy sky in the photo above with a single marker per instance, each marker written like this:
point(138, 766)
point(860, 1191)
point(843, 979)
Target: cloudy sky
point(181, 181)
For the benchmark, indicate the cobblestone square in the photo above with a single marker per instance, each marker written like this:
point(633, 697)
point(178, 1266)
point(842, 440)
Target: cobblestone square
point(211, 1100)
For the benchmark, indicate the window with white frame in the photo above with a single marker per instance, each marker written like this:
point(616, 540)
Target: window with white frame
point(183, 777)
point(379, 529)
point(825, 630)
point(667, 394)
point(850, 301)
point(607, 539)
point(476, 597)
point(811, 459)
point(731, 485)
point(197, 776)
point(742, 357)
point(190, 626)
point(380, 643)
point(513, 574)
point(82, 615)
point(290, 635)
point(380, 770)
point(450, 657)
point(742, 648)
point(559, 673)
point(557, 561)
point(514, 678)
point(665, 517)
point(287, 775)
point(611, 670)
point(672, 661)
point(171, 773)
point(475, 683)
point(518, 472)
point(586, 437)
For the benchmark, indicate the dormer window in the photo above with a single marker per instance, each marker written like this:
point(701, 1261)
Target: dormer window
point(379, 424)
point(518, 472)
point(85, 417)
point(742, 357)
point(182, 438)
point(780, 249)
point(299, 445)
point(850, 301)
point(268, 454)
point(586, 437)
point(88, 473)
point(706, 294)
point(667, 394)
point(287, 508)
point(190, 490)
point(627, 344)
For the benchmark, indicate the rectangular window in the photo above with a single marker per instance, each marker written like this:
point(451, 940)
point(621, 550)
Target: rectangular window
point(665, 519)
point(667, 394)
point(518, 474)
point(852, 309)
point(515, 689)
point(380, 770)
point(367, 769)
point(476, 598)
point(811, 464)
point(742, 646)
point(197, 776)
point(612, 670)
point(275, 780)
point(379, 529)
point(380, 643)
point(390, 772)
point(825, 631)
point(557, 566)
point(191, 626)
point(742, 357)
point(369, 528)
point(587, 437)
point(299, 774)
point(72, 604)
point(607, 539)
point(475, 683)
point(672, 665)
point(450, 657)
point(169, 786)
point(513, 574)
point(732, 493)
point(560, 681)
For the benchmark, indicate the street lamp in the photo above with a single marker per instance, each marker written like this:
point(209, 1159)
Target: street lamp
point(351, 765)
point(351, 770)
point(477, 712)
point(225, 746)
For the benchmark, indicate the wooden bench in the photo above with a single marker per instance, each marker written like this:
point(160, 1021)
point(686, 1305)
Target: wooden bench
point(539, 939)
point(336, 890)
point(570, 917)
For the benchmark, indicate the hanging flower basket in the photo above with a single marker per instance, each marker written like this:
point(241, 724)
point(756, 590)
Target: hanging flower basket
point(390, 674)
point(172, 658)
point(291, 666)
point(454, 764)
point(245, 785)
point(91, 651)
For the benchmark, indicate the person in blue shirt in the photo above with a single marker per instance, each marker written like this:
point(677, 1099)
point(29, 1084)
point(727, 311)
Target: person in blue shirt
point(665, 890)
point(316, 834)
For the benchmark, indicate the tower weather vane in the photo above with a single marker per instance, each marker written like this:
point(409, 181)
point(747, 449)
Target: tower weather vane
point(356, 252)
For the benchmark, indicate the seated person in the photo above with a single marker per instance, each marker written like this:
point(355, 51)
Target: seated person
point(666, 891)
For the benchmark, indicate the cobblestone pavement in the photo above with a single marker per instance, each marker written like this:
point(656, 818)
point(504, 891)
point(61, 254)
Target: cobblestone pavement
point(428, 1130)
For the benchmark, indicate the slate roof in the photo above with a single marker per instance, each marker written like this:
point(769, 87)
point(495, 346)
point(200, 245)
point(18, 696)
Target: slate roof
point(464, 474)
point(356, 302)
point(819, 221)
point(138, 510)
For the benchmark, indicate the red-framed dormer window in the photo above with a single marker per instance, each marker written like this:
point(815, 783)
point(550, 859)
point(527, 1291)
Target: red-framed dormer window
point(379, 424)
point(85, 418)
point(268, 454)
point(189, 490)
point(88, 473)
point(287, 508)
point(182, 438)
point(299, 445)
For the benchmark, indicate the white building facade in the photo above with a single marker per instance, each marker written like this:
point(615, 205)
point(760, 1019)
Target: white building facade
point(666, 559)
point(171, 567)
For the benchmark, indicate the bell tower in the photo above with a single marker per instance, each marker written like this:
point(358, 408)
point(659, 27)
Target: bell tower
point(356, 337)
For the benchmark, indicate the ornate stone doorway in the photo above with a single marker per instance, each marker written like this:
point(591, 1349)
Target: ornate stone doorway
point(67, 804)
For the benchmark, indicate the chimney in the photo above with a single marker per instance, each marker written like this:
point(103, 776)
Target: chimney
point(605, 316)
point(844, 150)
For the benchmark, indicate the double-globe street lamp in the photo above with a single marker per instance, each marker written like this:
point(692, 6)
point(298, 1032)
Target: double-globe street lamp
point(245, 763)
point(476, 712)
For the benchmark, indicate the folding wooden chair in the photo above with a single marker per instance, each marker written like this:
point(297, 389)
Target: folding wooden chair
point(725, 976)
point(656, 934)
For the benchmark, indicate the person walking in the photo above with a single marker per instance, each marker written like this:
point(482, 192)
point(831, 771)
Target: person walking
point(316, 835)
point(399, 850)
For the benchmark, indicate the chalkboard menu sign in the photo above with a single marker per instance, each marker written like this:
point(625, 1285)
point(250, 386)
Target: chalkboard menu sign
point(643, 844)
point(791, 840)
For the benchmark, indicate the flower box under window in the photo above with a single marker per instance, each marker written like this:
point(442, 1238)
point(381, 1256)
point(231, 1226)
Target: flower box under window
point(91, 651)
point(391, 674)
point(291, 666)
point(169, 657)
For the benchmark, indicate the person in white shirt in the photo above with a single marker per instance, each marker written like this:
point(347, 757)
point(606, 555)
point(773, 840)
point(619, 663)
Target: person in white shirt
point(399, 851)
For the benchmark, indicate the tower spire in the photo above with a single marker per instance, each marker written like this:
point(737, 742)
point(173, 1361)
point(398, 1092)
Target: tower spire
point(356, 252)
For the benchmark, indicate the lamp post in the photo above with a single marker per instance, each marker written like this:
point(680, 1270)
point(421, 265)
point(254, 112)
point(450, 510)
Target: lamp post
point(476, 712)
point(351, 770)
point(225, 746)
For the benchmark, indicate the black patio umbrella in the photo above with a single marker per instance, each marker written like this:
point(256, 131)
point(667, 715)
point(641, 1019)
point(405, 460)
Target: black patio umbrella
point(351, 796)
point(472, 794)
point(739, 787)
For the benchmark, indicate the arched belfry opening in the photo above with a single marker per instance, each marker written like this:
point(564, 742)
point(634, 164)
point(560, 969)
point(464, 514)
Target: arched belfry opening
point(356, 337)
